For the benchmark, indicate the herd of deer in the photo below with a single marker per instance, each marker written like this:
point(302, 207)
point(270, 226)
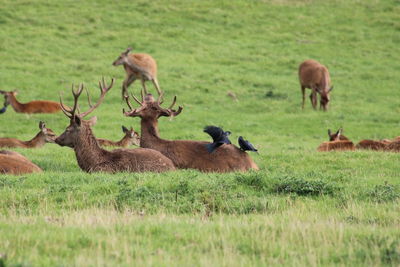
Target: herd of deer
point(155, 154)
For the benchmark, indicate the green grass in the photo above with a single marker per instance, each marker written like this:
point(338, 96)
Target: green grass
point(302, 208)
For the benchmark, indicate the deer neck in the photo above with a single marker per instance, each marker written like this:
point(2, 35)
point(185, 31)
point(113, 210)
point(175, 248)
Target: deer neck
point(37, 141)
point(124, 142)
point(87, 150)
point(149, 134)
point(17, 106)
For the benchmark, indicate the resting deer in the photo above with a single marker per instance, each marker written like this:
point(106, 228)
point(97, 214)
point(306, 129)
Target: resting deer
point(337, 142)
point(130, 138)
point(45, 135)
point(184, 154)
point(137, 66)
point(14, 163)
point(91, 158)
point(373, 144)
point(315, 76)
point(36, 106)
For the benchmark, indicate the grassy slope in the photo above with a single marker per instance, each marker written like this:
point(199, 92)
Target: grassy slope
point(204, 49)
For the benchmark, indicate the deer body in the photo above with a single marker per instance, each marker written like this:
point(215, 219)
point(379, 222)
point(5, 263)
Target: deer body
point(373, 144)
point(130, 138)
point(92, 158)
point(186, 154)
point(137, 66)
point(45, 135)
point(315, 76)
point(14, 163)
point(337, 141)
point(36, 106)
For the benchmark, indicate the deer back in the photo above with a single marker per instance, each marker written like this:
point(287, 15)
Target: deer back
point(314, 74)
point(14, 163)
point(340, 145)
point(372, 145)
point(143, 64)
point(12, 142)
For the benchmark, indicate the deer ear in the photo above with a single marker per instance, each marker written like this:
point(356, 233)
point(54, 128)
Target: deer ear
point(92, 121)
point(42, 125)
point(129, 49)
point(329, 132)
point(124, 129)
point(77, 120)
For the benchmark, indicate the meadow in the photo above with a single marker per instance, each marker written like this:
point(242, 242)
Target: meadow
point(303, 208)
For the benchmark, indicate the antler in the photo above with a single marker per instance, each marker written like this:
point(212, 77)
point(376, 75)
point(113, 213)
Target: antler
point(104, 89)
point(70, 113)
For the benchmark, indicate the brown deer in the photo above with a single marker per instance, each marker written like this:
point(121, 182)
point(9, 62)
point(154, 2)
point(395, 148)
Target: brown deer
point(381, 145)
point(14, 163)
point(45, 135)
point(185, 154)
point(91, 158)
point(130, 138)
point(337, 141)
point(315, 76)
point(36, 106)
point(137, 66)
point(394, 146)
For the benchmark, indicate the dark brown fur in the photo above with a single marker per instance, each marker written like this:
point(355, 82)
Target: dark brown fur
point(315, 76)
point(186, 154)
point(45, 135)
point(373, 145)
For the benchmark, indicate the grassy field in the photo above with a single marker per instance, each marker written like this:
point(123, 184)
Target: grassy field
point(302, 208)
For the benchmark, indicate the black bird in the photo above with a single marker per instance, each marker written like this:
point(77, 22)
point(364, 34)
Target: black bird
point(219, 137)
point(246, 145)
point(3, 109)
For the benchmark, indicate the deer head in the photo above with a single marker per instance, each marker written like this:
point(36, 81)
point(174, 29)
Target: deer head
point(335, 136)
point(7, 96)
point(123, 58)
point(77, 124)
point(49, 135)
point(150, 108)
point(325, 98)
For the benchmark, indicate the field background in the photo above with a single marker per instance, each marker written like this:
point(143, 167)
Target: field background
point(301, 208)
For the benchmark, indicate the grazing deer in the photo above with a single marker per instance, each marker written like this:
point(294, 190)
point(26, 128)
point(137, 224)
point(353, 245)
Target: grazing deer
point(315, 76)
point(36, 106)
point(137, 66)
point(130, 138)
point(91, 158)
point(337, 141)
point(45, 135)
point(14, 163)
point(185, 154)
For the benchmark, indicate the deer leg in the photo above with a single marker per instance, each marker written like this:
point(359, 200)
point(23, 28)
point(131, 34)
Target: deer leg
point(144, 86)
point(155, 82)
point(313, 98)
point(303, 91)
point(128, 81)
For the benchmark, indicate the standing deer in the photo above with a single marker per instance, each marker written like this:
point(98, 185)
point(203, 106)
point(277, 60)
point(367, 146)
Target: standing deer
point(337, 141)
point(36, 106)
point(130, 138)
point(91, 158)
point(137, 66)
point(185, 154)
point(315, 76)
point(45, 135)
point(14, 163)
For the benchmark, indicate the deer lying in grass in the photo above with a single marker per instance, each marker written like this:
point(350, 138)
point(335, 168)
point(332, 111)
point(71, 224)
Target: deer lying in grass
point(185, 154)
point(315, 76)
point(381, 145)
point(394, 146)
point(92, 158)
point(137, 66)
point(36, 106)
point(45, 135)
point(130, 138)
point(337, 142)
point(14, 163)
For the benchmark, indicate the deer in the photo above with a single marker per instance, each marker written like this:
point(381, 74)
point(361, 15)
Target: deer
point(130, 138)
point(394, 146)
point(137, 66)
point(14, 163)
point(45, 135)
point(381, 145)
point(36, 106)
point(337, 141)
point(315, 76)
point(185, 154)
point(90, 156)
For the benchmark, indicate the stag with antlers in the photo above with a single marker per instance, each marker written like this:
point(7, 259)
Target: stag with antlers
point(92, 158)
point(185, 154)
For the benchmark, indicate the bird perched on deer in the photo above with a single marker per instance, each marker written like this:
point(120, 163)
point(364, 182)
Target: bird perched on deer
point(245, 145)
point(45, 135)
point(137, 66)
point(219, 137)
point(36, 106)
point(315, 76)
